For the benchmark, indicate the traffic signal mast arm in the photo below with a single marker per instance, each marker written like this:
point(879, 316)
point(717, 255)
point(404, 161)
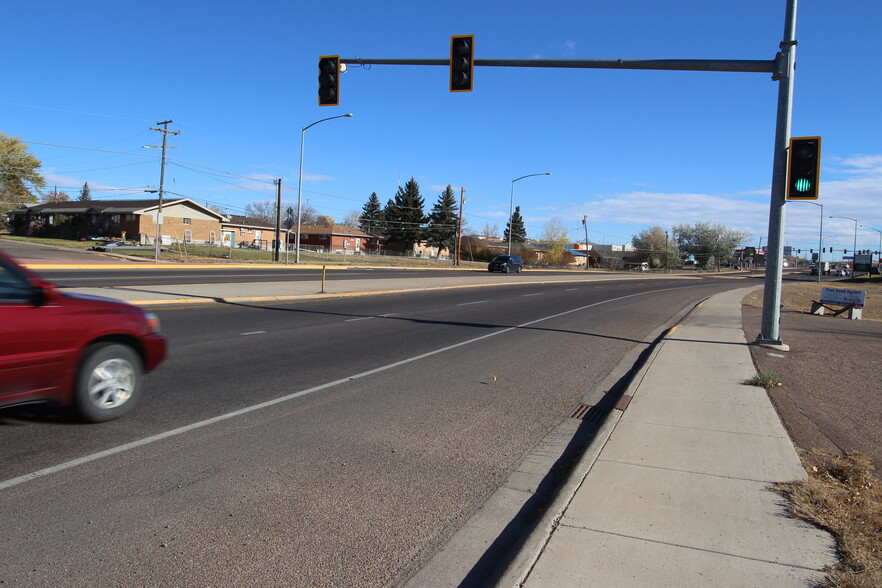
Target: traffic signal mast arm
point(738, 65)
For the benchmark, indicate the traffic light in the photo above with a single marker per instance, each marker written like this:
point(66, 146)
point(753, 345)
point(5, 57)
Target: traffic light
point(462, 62)
point(803, 168)
point(329, 80)
point(844, 251)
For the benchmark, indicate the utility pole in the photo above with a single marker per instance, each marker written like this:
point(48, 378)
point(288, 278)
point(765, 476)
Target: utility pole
point(278, 219)
point(165, 132)
point(667, 251)
point(459, 225)
point(587, 258)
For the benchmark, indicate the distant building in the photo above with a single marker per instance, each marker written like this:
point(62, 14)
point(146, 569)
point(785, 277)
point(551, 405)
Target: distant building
point(183, 221)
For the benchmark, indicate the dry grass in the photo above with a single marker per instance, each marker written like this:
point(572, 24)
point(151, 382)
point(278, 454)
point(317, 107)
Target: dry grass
point(844, 496)
point(798, 296)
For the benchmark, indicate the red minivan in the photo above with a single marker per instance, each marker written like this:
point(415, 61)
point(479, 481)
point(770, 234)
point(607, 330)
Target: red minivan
point(85, 352)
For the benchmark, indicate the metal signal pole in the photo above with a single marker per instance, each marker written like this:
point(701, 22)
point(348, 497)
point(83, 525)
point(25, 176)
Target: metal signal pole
point(784, 67)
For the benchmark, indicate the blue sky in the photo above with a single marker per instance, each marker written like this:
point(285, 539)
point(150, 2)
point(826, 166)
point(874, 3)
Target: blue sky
point(629, 149)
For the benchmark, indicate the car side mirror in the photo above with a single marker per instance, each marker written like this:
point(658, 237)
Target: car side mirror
point(42, 292)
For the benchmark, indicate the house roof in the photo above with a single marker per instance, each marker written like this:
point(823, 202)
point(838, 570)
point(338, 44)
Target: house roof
point(108, 207)
point(245, 221)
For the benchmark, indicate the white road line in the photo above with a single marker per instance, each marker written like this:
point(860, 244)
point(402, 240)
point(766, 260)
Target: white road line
point(533, 294)
point(253, 333)
point(249, 409)
point(475, 302)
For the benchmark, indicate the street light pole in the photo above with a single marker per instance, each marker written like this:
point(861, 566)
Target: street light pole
point(511, 203)
point(300, 182)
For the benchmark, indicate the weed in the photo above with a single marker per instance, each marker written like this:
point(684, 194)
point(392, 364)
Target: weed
point(766, 380)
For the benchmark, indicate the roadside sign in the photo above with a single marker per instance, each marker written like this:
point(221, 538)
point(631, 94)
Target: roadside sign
point(844, 296)
point(863, 262)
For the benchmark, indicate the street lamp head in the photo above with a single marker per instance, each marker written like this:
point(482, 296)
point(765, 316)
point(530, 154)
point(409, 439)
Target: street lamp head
point(348, 114)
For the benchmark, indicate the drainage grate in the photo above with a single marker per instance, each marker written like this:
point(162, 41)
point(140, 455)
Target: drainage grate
point(588, 412)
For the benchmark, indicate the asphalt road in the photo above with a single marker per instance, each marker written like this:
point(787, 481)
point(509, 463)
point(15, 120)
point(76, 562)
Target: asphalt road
point(336, 442)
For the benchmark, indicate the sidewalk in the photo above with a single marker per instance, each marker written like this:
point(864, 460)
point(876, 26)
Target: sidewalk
point(678, 494)
point(673, 491)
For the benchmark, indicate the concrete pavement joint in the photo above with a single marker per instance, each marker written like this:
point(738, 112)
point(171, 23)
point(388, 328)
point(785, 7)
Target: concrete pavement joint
point(689, 547)
point(681, 471)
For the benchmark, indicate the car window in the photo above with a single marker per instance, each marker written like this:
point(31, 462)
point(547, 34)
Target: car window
point(14, 286)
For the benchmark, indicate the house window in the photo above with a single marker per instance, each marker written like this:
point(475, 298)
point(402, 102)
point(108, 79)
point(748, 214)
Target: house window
point(188, 236)
point(114, 220)
point(323, 237)
point(212, 237)
point(242, 232)
point(186, 221)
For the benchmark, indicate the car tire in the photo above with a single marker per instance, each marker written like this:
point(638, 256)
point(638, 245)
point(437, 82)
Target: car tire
point(507, 269)
point(519, 269)
point(108, 382)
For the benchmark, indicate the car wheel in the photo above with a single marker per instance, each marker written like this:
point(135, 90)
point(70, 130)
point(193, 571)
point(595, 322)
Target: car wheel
point(519, 269)
point(507, 269)
point(108, 382)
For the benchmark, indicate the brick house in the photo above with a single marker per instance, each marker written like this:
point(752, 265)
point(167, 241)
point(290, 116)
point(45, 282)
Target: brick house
point(242, 230)
point(183, 221)
point(338, 239)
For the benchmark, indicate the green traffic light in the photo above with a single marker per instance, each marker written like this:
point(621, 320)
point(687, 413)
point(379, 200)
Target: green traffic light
point(802, 185)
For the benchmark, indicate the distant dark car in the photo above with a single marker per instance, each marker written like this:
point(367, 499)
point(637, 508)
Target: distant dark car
point(86, 352)
point(506, 263)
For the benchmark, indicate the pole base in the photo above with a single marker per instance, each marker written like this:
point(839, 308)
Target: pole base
point(775, 344)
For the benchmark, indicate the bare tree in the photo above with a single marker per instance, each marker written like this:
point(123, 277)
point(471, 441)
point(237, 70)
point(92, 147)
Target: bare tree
point(262, 210)
point(490, 232)
point(55, 196)
point(265, 212)
point(351, 220)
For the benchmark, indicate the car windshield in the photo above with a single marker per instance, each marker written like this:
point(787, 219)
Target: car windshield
point(502, 258)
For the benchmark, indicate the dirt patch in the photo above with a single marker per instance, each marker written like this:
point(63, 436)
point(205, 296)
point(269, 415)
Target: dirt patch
point(843, 495)
point(828, 400)
point(798, 296)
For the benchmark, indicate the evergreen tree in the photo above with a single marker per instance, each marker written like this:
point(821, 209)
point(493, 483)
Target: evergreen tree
point(390, 213)
point(405, 225)
point(515, 227)
point(371, 220)
point(85, 194)
point(443, 222)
